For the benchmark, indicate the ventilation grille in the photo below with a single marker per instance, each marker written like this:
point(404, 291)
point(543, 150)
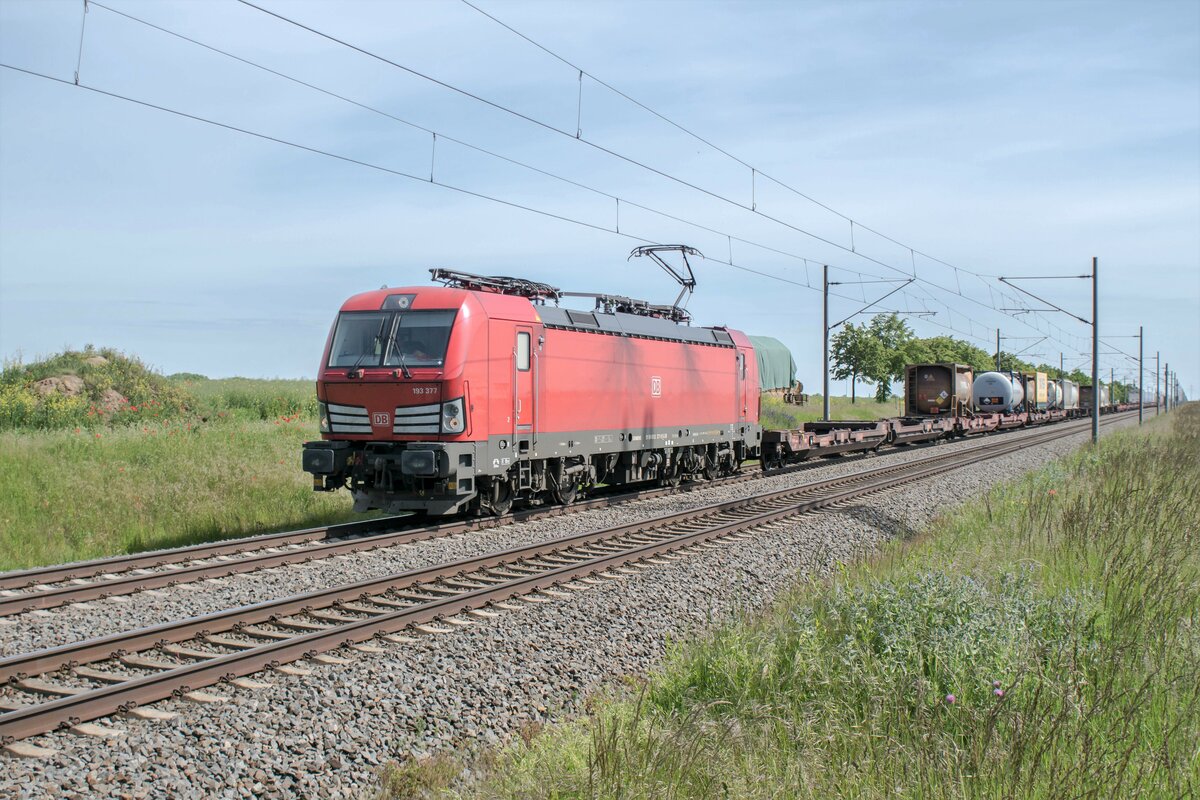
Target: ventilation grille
point(348, 419)
point(418, 419)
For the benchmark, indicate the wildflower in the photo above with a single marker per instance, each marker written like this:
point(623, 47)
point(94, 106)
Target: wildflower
point(951, 699)
point(995, 684)
point(998, 692)
point(97, 436)
point(133, 408)
point(120, 469)
point(77, 430)
point(1052, 492)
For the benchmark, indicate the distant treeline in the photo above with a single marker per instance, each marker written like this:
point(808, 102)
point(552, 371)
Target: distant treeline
point(878, 351)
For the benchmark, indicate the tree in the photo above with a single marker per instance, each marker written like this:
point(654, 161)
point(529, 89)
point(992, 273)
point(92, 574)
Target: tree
point(1010, 362)
point(897, 347)
point(948, 349)
point(854, 353)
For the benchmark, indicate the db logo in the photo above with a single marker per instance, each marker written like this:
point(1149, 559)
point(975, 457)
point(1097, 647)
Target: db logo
point(656, 386)
point(379, 418)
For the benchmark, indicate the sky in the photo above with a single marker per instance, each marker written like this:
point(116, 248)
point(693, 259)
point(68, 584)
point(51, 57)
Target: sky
point(966, 141)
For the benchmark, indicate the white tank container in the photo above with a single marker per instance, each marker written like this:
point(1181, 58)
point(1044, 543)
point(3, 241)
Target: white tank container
point(1069, 391)
point(1053, 397)
point(997, 392)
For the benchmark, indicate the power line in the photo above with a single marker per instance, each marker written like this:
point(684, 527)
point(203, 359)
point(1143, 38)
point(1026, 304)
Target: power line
point(755, 171)
point(435, 134)
point(394, 172)
point(369, 164)
point(613, 153)
point(441, 135)
point(543, 212)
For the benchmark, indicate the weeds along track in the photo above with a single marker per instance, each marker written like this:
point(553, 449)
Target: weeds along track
point(49, 587)
point(68, 685)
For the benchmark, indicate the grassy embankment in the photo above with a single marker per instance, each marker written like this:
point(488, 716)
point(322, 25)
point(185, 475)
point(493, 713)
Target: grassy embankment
point(184, 460)
point(170, 461)
point(1042, 642)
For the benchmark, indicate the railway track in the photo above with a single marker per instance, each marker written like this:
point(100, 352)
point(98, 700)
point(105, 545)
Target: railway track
point(67, 685)
point(50, 587)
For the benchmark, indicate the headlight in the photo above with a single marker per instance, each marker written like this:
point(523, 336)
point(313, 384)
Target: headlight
point(454, 416)
point(323, 413)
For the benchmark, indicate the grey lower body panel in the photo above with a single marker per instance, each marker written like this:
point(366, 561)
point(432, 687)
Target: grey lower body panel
point(445, 477)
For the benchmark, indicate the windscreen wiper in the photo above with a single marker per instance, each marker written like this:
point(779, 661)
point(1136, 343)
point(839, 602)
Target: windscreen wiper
point(378, 340)
point(392, 341)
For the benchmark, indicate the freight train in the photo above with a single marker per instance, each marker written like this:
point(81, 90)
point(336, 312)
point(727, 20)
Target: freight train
point(471, 395)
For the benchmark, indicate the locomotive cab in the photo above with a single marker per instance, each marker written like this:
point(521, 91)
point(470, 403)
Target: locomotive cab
point(394, 393)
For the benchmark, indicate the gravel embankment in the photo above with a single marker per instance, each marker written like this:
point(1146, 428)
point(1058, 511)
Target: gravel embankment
point(40, 629)
point(326, 734)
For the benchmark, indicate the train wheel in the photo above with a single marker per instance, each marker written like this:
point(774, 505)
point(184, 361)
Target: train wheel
point(499, 499)
point(565, 495)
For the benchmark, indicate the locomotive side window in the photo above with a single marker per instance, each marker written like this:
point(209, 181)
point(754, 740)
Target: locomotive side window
point(391, 338)
point(523, 351)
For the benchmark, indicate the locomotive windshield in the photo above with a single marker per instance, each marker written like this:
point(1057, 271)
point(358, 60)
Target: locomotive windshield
point(391, 338)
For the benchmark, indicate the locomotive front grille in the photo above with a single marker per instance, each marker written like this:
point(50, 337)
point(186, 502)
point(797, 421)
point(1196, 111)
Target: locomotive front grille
point(417, 419)
point(348, 419)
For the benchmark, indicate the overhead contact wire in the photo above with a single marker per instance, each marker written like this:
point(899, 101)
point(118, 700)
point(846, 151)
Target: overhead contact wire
point(622, 157)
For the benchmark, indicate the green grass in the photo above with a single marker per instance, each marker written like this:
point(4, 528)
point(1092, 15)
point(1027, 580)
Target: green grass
point(250, 398)
point(186, 459)
point(98, 492)
point(778, 414)
point(1061, 612)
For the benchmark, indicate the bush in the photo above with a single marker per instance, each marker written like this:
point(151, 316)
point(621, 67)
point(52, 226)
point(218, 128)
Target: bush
point(146, 393)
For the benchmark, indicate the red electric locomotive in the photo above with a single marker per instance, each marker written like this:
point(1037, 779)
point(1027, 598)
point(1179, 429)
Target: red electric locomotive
point(468, 396)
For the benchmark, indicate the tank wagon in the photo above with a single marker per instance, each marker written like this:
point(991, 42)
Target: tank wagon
point(999, 392)
point(936, 389)
point(467, 396)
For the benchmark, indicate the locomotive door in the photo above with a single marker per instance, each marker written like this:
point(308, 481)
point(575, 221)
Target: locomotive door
point(740, 386)
point(524, 394)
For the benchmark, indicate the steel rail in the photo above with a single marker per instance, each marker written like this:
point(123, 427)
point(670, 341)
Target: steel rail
point(87, 651)
point(93, 703)
point(20, 579)
point(353, 537)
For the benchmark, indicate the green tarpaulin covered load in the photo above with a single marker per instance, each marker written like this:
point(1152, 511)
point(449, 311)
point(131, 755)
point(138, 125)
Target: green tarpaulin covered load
point(776, 367)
